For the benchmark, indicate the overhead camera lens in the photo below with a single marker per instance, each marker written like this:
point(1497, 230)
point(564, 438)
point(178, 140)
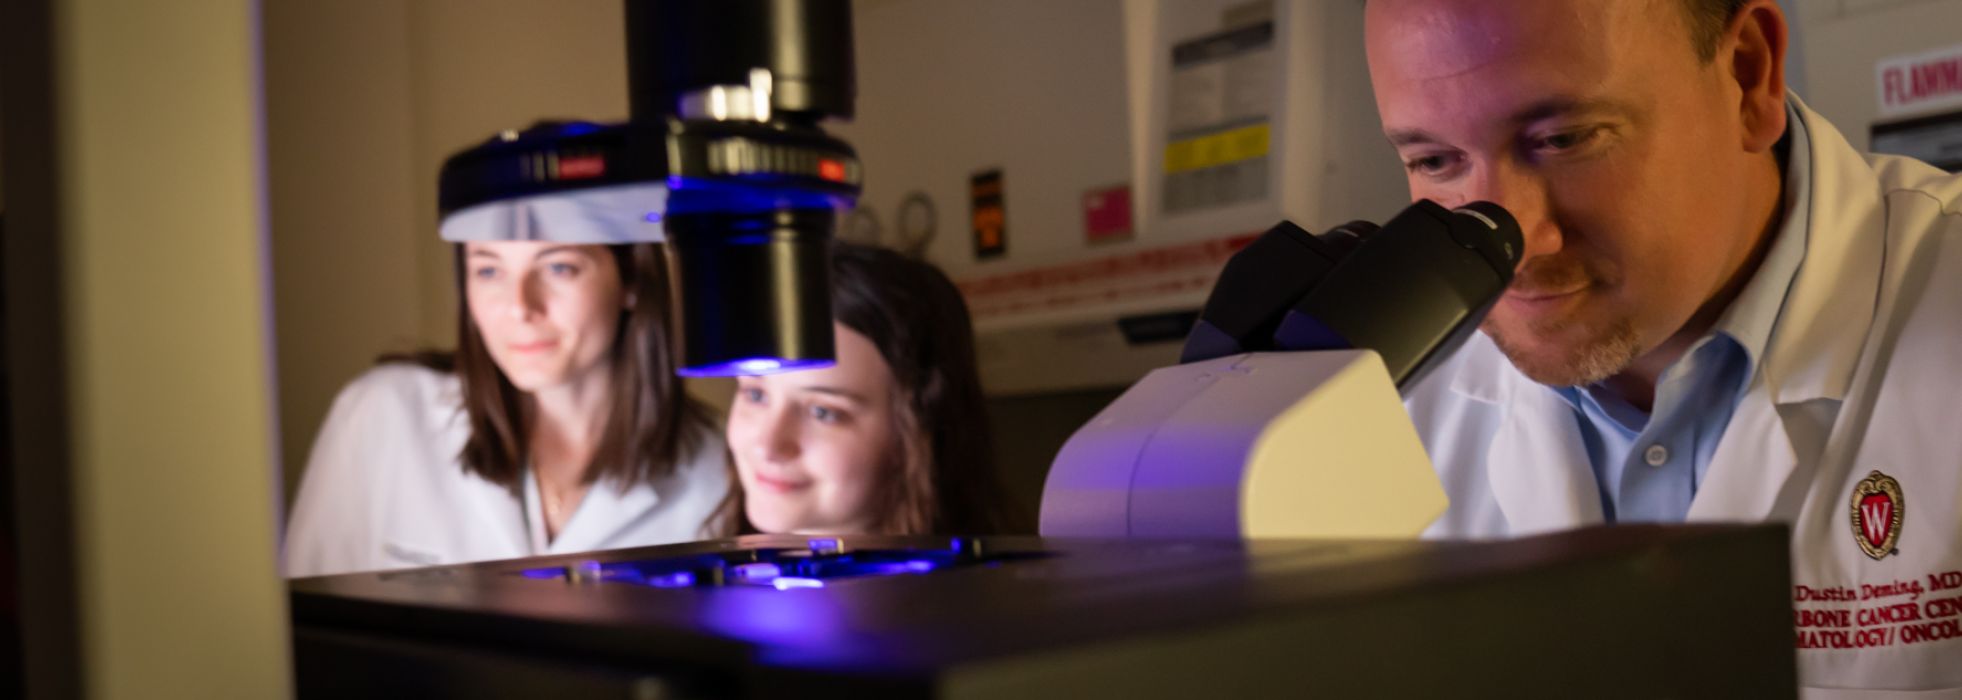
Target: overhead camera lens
point(755, 185)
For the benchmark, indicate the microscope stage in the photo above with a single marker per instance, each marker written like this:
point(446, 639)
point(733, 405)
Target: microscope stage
point(1026, 617)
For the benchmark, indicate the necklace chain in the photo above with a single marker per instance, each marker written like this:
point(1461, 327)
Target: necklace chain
point(552, 499)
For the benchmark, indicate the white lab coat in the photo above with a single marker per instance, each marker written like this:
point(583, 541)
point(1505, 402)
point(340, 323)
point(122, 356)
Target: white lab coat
point(384, 490)
point(1863, 373)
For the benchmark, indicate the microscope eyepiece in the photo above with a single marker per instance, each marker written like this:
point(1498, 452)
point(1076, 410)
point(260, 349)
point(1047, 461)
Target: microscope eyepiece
point(1411, 290)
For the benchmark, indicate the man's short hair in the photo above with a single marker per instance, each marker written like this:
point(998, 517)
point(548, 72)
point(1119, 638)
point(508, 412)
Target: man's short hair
point(1707, 21)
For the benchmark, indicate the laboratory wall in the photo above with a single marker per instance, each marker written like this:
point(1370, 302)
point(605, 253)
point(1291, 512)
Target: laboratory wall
point(365, 98)
point(1035, 90)
point(1262, 108)
point(341, 188)
point(1842, 42)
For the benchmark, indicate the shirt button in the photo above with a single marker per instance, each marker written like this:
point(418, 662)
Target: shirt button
point(1656, 455)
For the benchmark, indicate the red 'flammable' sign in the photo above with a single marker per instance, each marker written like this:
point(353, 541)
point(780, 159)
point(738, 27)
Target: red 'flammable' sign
point(1923, 82)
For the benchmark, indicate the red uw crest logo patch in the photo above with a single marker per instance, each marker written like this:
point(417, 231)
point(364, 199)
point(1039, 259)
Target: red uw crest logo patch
point(1877, 510)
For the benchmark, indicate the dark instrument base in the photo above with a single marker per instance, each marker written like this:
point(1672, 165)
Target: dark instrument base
point(1590, 613)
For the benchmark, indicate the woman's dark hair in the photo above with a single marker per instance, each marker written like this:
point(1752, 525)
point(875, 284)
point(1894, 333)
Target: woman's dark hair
point(652, 424)
point(944, 480)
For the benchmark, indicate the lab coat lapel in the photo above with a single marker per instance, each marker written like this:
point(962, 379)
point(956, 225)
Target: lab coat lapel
point(1754, 460)
point(605, 512)
point(1822, 328)
point(1537, 465)
point(1817, 340)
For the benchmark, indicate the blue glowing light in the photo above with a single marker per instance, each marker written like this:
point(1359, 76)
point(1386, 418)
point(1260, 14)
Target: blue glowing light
point(822, 562)
point(754, 192)
point(752, 366)
point(784, 583)
point(679, 579)
point(911, 566)
point(758, 571)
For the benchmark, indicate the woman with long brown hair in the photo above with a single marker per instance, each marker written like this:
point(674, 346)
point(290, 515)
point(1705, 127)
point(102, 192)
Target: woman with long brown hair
point(557, 425)
point(893, 439)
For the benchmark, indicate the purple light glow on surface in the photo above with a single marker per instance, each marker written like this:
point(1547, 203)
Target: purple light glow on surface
point(915, 566)
point(679, 579)
point(784, 583)
point(766, 615)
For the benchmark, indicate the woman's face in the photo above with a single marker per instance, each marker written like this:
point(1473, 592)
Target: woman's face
point(548, 311)
point(810, 446)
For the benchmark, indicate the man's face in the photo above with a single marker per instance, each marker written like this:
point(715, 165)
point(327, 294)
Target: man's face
point(1593, 122)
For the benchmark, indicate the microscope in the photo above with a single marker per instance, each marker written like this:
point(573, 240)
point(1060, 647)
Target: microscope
point(1241, 523)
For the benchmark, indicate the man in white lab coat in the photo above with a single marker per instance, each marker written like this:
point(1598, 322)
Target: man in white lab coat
point(1724, 313)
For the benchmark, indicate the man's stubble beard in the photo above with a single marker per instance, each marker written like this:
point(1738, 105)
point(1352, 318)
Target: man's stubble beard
point(1604, 350)
point(1604, 353)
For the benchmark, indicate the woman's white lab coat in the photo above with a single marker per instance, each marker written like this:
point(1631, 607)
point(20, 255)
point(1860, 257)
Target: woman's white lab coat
point(384, 490)
point(1862, 376)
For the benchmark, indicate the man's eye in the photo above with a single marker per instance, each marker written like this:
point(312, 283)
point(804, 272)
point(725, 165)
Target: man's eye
point(1565, 140)
point(485, 273)
point(562, 269)
point(752, 395)
point(1429, 165)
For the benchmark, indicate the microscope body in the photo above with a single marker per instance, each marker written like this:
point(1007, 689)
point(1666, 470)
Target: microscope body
point(1256, 445)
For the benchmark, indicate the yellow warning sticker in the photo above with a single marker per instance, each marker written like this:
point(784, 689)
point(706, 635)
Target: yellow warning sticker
point(1216, 149)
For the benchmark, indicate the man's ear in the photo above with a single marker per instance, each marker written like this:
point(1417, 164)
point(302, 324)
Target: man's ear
point(1754, 47)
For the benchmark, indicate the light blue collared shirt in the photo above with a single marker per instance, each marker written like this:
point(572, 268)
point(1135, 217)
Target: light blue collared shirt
point(1649, 466)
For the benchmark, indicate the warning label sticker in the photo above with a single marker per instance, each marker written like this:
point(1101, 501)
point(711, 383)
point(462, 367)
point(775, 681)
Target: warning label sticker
point(1222, 100)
